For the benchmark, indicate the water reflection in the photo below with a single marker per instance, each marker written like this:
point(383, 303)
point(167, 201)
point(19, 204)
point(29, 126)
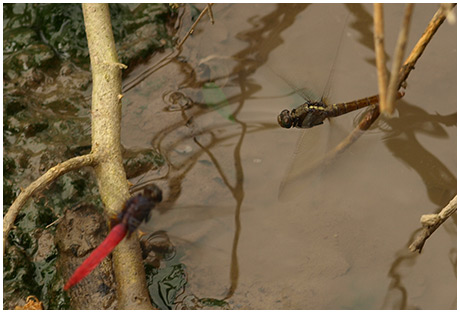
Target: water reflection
point(401, 140)
point(207, 138)
point(210, 149)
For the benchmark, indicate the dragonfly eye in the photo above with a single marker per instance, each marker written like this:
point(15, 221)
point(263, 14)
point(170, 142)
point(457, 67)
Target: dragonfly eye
point(284, 119)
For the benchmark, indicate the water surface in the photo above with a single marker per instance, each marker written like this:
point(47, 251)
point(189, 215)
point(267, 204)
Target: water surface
point(340, 239)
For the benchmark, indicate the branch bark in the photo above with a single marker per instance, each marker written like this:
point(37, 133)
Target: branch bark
point(430, 223)
point(387, 106)
point(380, 51)
point(417, 51)
point(113, 186)
point(39, 184)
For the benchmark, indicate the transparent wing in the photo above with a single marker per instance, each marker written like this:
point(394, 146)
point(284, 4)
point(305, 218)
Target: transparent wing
point(305, 93)
point(307, 164)
point(309, 161)
point(307, 156)
point(330, 79)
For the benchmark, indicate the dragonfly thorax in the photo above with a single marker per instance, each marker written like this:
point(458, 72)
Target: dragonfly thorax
point(306, 115)
point(137, 209)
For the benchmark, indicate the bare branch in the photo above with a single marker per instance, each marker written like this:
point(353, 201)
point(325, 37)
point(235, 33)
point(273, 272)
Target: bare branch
point(211, 16)
point(42, 182)
point(206, 9)
point(113, 186)
point(431, 222)
point(388, 105)
point(417, 51)
point(380, 51)
point(404, 72)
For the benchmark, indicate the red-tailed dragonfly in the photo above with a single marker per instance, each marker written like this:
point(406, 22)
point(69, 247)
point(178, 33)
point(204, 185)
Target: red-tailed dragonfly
point(136, 210)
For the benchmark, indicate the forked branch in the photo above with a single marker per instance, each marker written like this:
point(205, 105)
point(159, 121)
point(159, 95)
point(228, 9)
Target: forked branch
point(106, 127)
point(105, 156)
point(208, 9)
point(404, 72)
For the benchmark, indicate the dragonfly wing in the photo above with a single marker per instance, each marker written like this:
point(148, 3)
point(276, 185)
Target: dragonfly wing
point(310, 158)
point(310, 149)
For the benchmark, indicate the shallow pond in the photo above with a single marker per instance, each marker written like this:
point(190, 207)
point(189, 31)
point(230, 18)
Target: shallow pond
point(337, 238)
point(255, 221)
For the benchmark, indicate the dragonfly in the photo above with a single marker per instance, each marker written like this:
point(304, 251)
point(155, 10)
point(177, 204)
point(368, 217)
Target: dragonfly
point(136, 210)
point(313, 113)
point(312, 153)
point(308, 115)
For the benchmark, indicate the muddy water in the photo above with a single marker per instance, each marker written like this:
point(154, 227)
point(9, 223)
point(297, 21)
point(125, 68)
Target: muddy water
point(336, 238)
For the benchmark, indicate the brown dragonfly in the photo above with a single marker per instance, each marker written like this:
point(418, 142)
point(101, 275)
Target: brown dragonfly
point(313, 113)
point(305, 116)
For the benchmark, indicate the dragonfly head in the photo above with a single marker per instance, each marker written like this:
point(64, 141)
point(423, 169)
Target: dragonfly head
point(153, 192)
point(285, 119)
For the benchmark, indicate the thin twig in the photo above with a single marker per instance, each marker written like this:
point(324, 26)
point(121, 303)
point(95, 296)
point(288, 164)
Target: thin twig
point(417, 51)
point(431, 222)
point(57, 221)
point(194, 25)
point(39, 184)
point(211, 16)
point(388, 105)
point(380, 51)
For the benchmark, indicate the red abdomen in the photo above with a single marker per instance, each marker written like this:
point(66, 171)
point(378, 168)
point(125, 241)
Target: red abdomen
point(135, 211)
point(110, 242)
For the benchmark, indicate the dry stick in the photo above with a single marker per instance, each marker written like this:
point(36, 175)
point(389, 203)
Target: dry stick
point(106, 126)
point(211, 16)
point(194, 25)
point(39, 184)
point(450, 16)
point(388, 106)
point(431, 29)
point(431, 222)
point(404, 72)
point(380, 51)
